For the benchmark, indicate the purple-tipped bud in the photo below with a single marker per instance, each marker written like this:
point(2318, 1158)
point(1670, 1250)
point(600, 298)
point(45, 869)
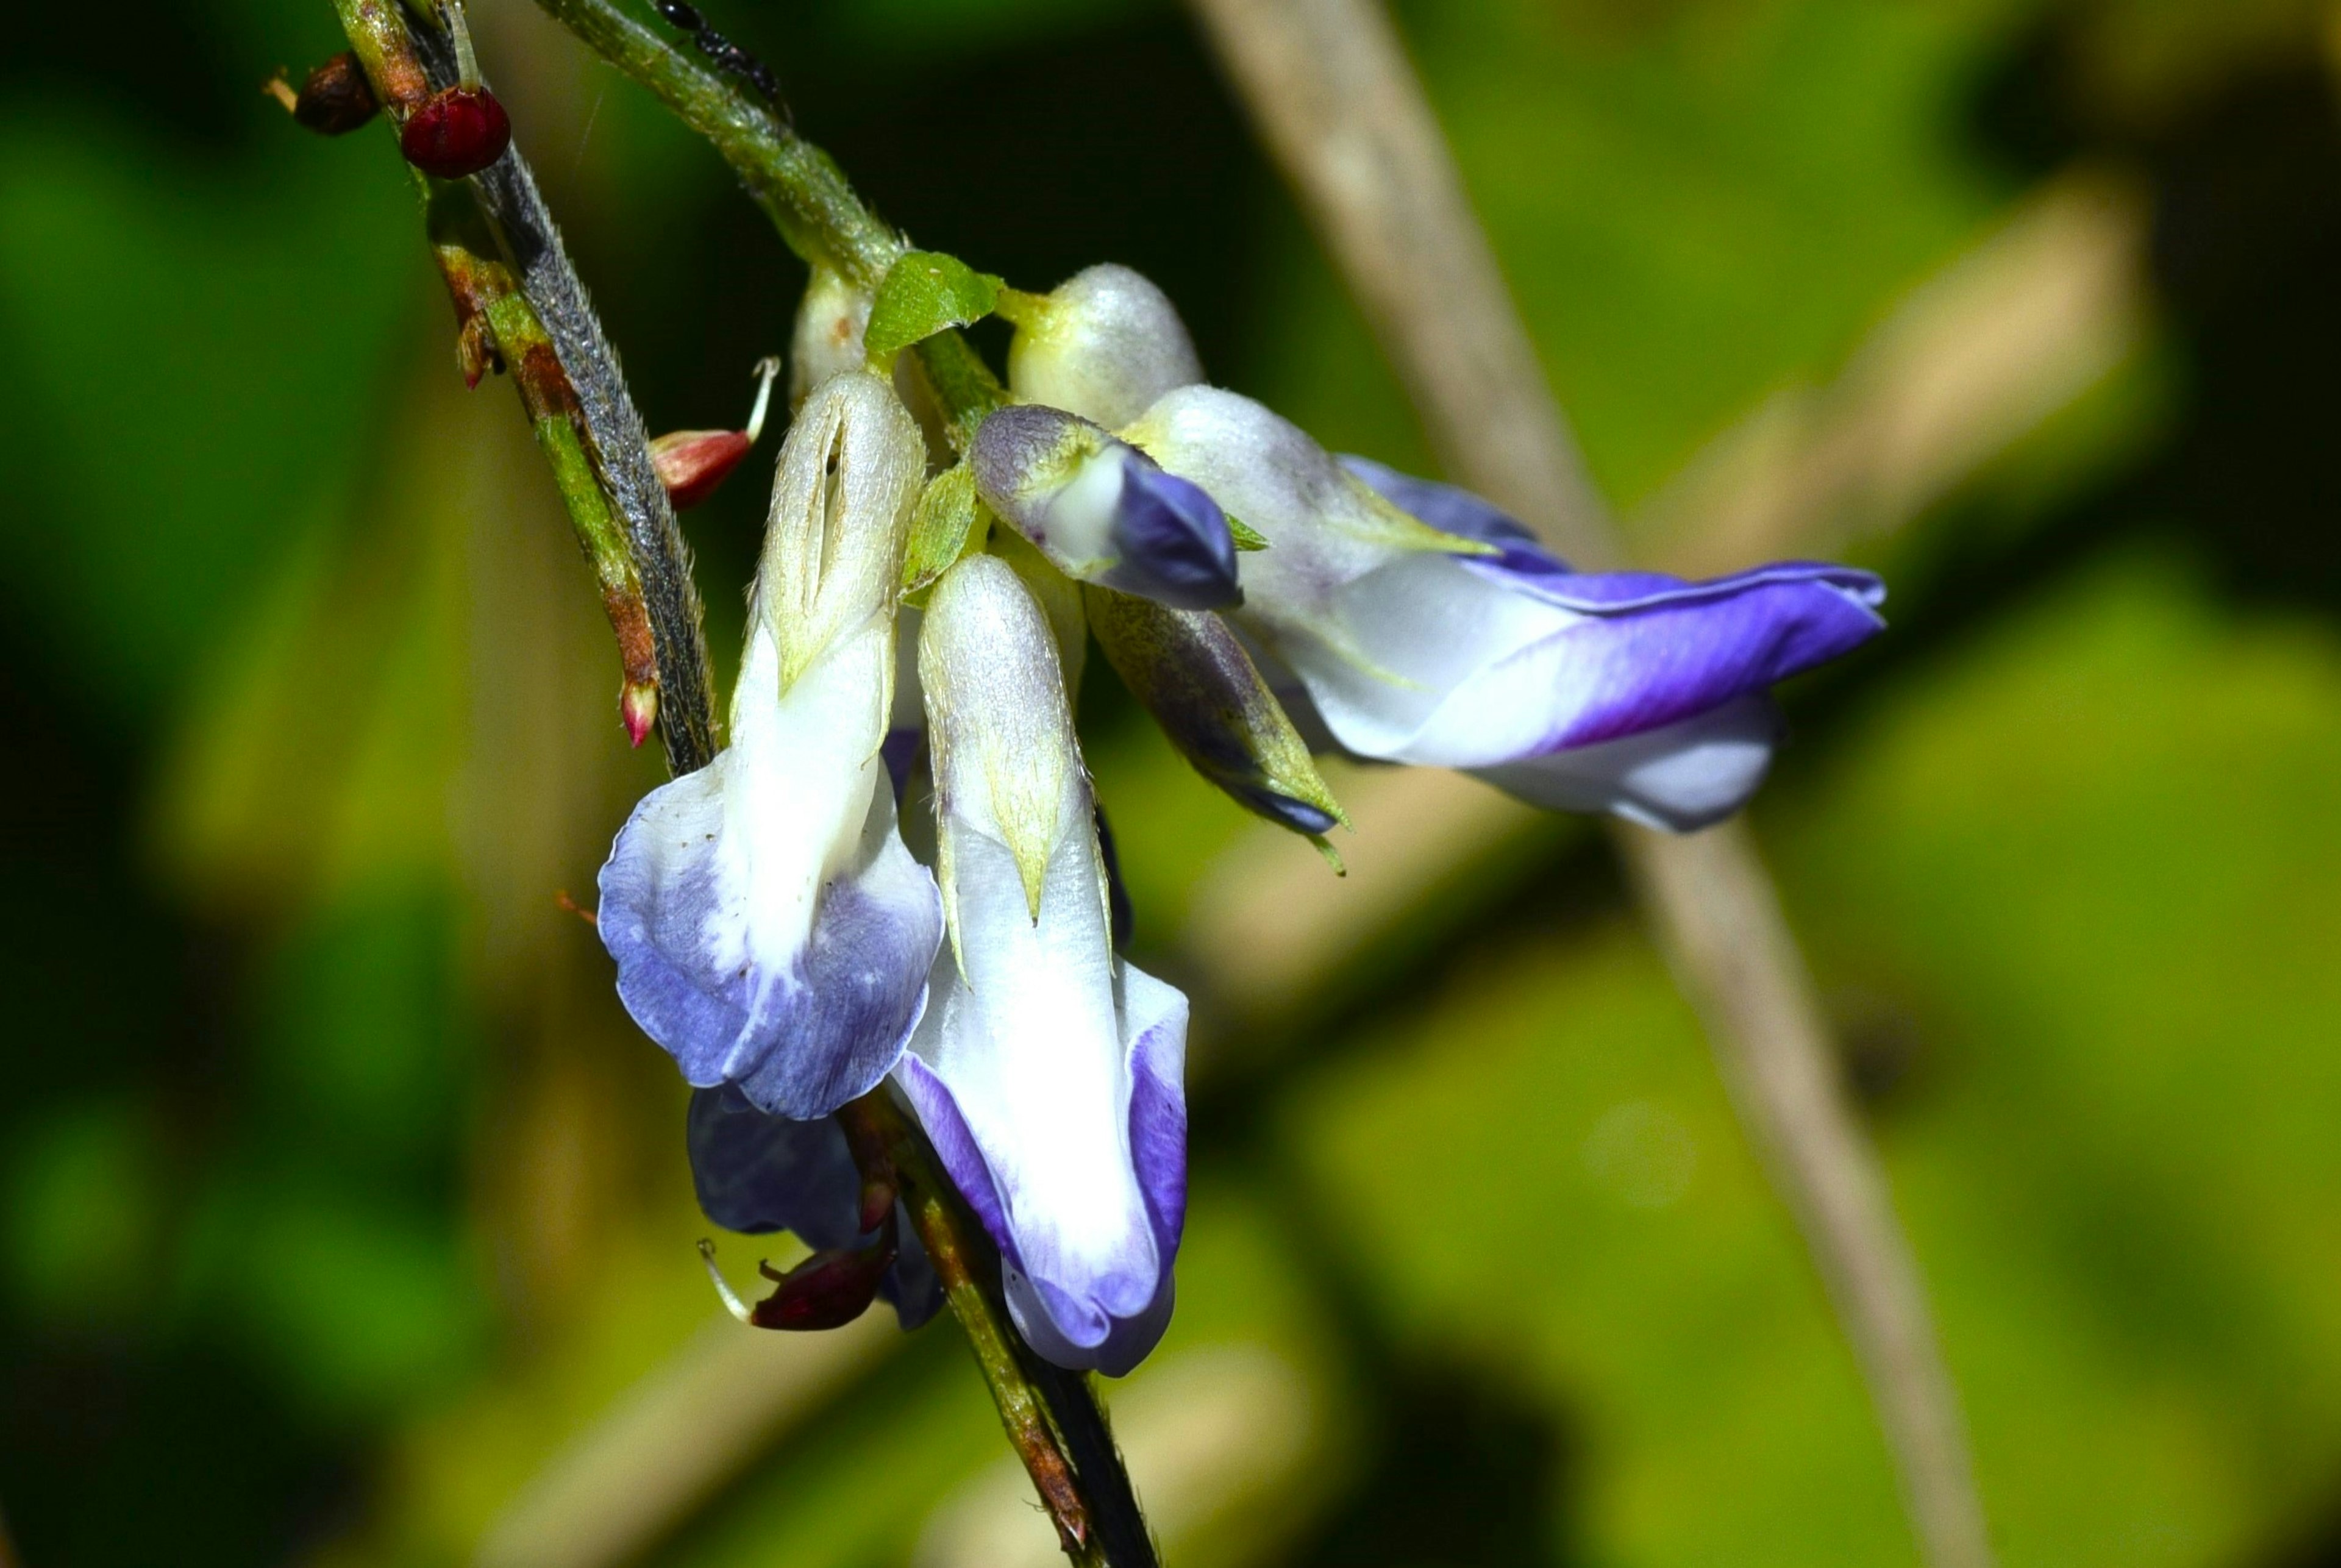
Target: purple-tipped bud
point(1103, 512)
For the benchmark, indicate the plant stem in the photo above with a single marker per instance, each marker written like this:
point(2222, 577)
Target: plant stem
point(497, 326)
point(614, 435)
point(799, 186)
point(969, 1276)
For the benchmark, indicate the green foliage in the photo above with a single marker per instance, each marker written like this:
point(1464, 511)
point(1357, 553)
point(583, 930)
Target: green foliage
point(925, 293)
point(943, 528)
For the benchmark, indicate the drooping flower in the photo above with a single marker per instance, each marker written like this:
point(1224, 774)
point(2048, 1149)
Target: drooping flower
point(1425, 627)
point(769, 928)
point(1102, 512)
point(1047, 1072)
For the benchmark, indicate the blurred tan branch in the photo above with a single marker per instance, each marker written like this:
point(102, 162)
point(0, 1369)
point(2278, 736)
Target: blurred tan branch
point(1338, 104)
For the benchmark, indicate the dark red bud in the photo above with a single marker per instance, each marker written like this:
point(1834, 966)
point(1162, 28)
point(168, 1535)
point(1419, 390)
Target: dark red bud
point(691, 463)
point(458, 131)
point(828, 1290)
point(335, 98)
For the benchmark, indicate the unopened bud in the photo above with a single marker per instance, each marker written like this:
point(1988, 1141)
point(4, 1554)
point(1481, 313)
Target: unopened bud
point(458, 131)
point(1104, 345)
point(828, 337)
point(1103, 512)
point(638, 706)
point(335, 98)
point(1191, 673)
point(691, 463)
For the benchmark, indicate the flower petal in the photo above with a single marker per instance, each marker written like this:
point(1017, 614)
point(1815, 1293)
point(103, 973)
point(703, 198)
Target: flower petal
point(756, 1173)
point(769, 928)
point(801, 990)
point(1023, 1070)
point(1678, 779)
point(1070, 1322)
point(1101, 511)
point(1452, 509)
point(1493, 672)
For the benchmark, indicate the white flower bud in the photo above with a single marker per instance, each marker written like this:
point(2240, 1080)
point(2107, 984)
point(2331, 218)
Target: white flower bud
point(1105, 345)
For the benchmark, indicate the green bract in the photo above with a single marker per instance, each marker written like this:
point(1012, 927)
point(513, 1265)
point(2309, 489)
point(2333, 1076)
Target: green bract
point(948, 516)
point(922, 294)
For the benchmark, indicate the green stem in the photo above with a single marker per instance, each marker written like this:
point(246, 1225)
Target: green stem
point(496, 326)
point(799, 186)
point(882, 1135)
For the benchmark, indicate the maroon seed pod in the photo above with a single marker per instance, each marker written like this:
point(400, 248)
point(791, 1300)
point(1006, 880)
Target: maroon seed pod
point(458, 131)
point(335, 99)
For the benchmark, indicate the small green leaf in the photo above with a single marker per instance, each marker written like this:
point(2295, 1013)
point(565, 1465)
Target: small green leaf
point(922, 294)
point(1244, 537)
point(948, 516)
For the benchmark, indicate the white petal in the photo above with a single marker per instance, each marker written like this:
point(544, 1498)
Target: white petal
point(1678, 779)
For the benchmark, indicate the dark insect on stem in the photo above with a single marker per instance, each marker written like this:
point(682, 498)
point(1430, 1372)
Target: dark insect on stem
point(727, 55)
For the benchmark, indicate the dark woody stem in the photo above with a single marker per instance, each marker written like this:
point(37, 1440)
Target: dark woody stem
point(520, 306)
point(496, 245)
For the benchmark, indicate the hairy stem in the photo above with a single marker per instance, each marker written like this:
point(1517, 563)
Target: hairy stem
point(799, 186)
point(793, 181)
point(520, 306)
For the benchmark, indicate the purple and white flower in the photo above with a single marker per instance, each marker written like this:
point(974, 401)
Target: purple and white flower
point(1426, 627)
point(770, 930)
point(1047, 1072)
point(755, 1173)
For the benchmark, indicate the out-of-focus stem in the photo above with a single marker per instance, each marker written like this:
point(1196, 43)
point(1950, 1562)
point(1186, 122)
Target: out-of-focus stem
point(1328, 83)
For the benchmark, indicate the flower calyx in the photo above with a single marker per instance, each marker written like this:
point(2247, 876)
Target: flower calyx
point(692, 463)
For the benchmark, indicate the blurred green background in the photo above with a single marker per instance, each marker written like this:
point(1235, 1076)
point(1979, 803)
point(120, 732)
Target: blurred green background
point(344, 1218)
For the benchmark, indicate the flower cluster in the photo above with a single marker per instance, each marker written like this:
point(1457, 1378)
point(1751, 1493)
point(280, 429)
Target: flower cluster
point(773, 932)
